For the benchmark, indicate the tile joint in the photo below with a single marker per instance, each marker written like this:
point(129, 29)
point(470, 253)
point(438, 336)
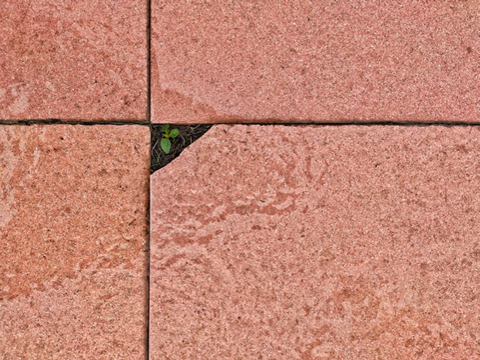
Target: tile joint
point(72, 122)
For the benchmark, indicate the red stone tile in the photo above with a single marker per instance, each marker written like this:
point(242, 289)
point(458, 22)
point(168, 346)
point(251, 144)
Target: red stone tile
point(287, 242)
point(304, 61)
point(73, 60)
point(73, 232)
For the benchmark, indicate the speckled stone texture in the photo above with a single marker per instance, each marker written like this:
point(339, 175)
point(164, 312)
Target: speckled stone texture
point(73, 60)
point(285, 242)
point(322, 61)
point(73, 230)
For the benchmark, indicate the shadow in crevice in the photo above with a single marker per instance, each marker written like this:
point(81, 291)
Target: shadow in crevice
point(187, 135)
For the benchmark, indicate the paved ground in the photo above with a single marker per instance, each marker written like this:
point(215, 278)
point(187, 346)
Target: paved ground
point(73, 225)
point(319, 241)
point(315, 242)
point(303, 61)
point(73, 60)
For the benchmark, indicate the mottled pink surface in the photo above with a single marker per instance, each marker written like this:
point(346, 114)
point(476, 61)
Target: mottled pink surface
point(322, 61)
point(73, 60)
point(73, 230)
point(318, 243)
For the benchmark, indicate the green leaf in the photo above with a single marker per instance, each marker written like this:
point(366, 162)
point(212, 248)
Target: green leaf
point(174, 133)
point(165, 128)
point(166, 145)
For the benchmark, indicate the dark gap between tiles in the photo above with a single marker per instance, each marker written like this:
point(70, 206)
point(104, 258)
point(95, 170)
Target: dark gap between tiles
point(149, 120)
point(372, 123)
point(259, 122)
point(149, 62)
point(274, 122)
point(147, 265)
point(71, 122)
point(187, 135)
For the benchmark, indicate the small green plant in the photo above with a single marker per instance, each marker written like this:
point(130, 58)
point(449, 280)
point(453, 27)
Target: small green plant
point(167, 134)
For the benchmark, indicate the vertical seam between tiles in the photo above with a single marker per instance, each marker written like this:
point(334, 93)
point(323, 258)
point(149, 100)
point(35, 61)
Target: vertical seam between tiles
point(149, 61)
point(148, 252)
point(149, 120)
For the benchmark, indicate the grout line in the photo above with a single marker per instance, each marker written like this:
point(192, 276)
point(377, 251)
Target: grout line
point(260, 122)
point(71, 122)
point(257, 122)
point(148, 279)
point(379, 123)
point(149, 61)
point(149, 120)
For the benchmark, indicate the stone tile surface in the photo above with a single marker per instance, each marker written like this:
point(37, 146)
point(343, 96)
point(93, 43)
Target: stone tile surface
point(326, 61)
point(73, 60)
point(73, 230)
point(287, 242)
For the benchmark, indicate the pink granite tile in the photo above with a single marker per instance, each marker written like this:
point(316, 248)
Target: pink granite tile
point(318, 243)
point(73, 229)
point(73, 60)
point(322, 61)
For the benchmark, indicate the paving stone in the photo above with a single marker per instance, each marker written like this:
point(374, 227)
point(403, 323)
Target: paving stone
point(73, 230)
point(73, 60)
point(304, 61)
point(350, 242)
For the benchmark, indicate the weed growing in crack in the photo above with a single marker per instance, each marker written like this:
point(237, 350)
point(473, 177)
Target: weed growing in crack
point(187, 134)
point(167, 135)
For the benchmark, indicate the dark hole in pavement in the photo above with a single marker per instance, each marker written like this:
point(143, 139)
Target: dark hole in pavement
point(187, 135)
